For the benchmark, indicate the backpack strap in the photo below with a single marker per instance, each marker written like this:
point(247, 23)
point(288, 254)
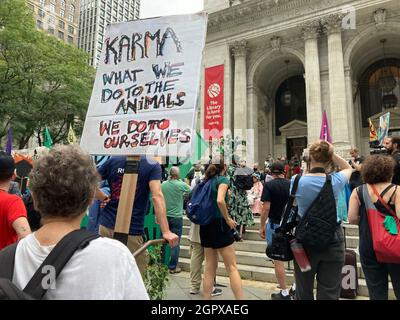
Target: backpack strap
point(7, 261)
point(383, 201)
point(58, 258)
point(290, 202)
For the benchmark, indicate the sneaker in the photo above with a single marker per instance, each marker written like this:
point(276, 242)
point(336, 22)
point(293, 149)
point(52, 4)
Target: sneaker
point(280, 296)
point(176, 270)
point(216, 292)
point(194, 291)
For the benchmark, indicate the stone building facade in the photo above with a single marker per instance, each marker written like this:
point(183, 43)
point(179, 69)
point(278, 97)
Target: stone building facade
point(340, 56)
point(59, 18)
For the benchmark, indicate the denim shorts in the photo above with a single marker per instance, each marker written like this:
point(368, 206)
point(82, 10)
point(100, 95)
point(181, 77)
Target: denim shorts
point(269, 230)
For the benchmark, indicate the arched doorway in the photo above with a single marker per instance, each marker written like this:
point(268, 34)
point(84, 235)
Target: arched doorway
point(365, 60)
point(279, 120)
point(379, 88)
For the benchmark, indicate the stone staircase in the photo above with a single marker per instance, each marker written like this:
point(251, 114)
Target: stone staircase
point(254, 265)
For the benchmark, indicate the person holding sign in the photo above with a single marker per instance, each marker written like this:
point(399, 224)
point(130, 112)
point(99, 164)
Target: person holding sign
point(149, 180)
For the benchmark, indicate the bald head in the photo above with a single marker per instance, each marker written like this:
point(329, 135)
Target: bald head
point(174, 173)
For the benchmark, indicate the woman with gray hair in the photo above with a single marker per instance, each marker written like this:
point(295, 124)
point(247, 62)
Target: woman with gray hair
point(63, 184)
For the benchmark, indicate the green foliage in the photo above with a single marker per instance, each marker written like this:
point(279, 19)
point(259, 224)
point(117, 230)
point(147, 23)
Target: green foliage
point(156, 276)
point(43, 81)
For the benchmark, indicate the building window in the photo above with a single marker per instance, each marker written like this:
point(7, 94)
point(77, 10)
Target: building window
point(62, 3)
point(52, 7)
point(61, 24)
point(41, 13)
point(62, 13)
point(50, 30)
point(39, 24)
point(61, 35)
point(71, 29)
point(70, 39)
point(52, 20)
point(71, 9)
point(42, 3)
point(71, 18)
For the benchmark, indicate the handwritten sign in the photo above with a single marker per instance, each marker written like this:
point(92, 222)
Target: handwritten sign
point(146, 89)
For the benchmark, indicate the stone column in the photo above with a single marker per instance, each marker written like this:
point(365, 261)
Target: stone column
point(252, 126)
point(337, 89)
point(313, 81)
point(351, 119)
point(239, 51)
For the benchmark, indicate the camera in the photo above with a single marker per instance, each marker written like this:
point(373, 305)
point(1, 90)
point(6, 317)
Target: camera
point(236, 235)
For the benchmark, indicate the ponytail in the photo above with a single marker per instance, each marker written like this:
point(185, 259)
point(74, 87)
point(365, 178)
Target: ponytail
point(215, 168)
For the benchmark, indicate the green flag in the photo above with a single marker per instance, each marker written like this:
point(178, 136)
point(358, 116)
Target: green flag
point(48, 142)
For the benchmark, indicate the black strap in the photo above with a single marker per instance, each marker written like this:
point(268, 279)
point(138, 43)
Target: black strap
point(391, 197)
point(387, 189)
point(290, 202)
point(58, 258)
point(7, 261)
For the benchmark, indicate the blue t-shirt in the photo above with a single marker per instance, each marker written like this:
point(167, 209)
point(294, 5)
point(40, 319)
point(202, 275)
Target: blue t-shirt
point(112, 171)
point(310, 186)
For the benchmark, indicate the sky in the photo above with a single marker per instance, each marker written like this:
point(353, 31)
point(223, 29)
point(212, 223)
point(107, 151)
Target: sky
point(155, 8)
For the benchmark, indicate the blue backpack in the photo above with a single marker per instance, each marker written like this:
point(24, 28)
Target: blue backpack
point(202, 209)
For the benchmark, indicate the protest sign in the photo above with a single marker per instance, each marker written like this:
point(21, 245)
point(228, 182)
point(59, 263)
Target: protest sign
point(383, 127)
point(146, 89)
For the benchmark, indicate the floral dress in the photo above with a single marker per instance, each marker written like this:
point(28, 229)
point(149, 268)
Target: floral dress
point(239, 208)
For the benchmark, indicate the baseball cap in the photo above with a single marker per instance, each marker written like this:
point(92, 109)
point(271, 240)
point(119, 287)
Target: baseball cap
point(277, 167)
point(7, 166)
point(256, 175)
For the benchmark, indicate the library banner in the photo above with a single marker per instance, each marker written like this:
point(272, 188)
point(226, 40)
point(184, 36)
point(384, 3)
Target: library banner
point(214, 102)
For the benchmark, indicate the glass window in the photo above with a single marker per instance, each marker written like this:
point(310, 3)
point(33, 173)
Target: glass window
point(61, 35)
point(71, 18)
point(42, 3)
point(72, 9)
point(50, 30)
point(62, 13)
point(62, 3)
point(71, 29)
point(39, 24)
point(41, 13)
point(70, 39)
point(52, 20)
point(61, 24)
point(52, 7)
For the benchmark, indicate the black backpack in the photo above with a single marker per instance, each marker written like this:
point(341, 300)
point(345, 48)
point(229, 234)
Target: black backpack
point(317, 227)
point(58, 258)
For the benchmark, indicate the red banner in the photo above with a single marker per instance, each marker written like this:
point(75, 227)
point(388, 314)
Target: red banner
point(214, 102)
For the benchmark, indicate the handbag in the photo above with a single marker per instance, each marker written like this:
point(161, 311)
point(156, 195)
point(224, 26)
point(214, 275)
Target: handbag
point(386, 243)
point(279, 248)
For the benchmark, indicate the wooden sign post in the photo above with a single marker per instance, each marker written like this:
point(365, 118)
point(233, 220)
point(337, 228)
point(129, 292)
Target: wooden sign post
point(126, 200)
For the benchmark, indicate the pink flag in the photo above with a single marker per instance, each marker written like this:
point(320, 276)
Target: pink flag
point(324, 135)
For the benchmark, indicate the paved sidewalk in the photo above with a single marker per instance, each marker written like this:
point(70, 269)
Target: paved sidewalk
point(179, 287)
